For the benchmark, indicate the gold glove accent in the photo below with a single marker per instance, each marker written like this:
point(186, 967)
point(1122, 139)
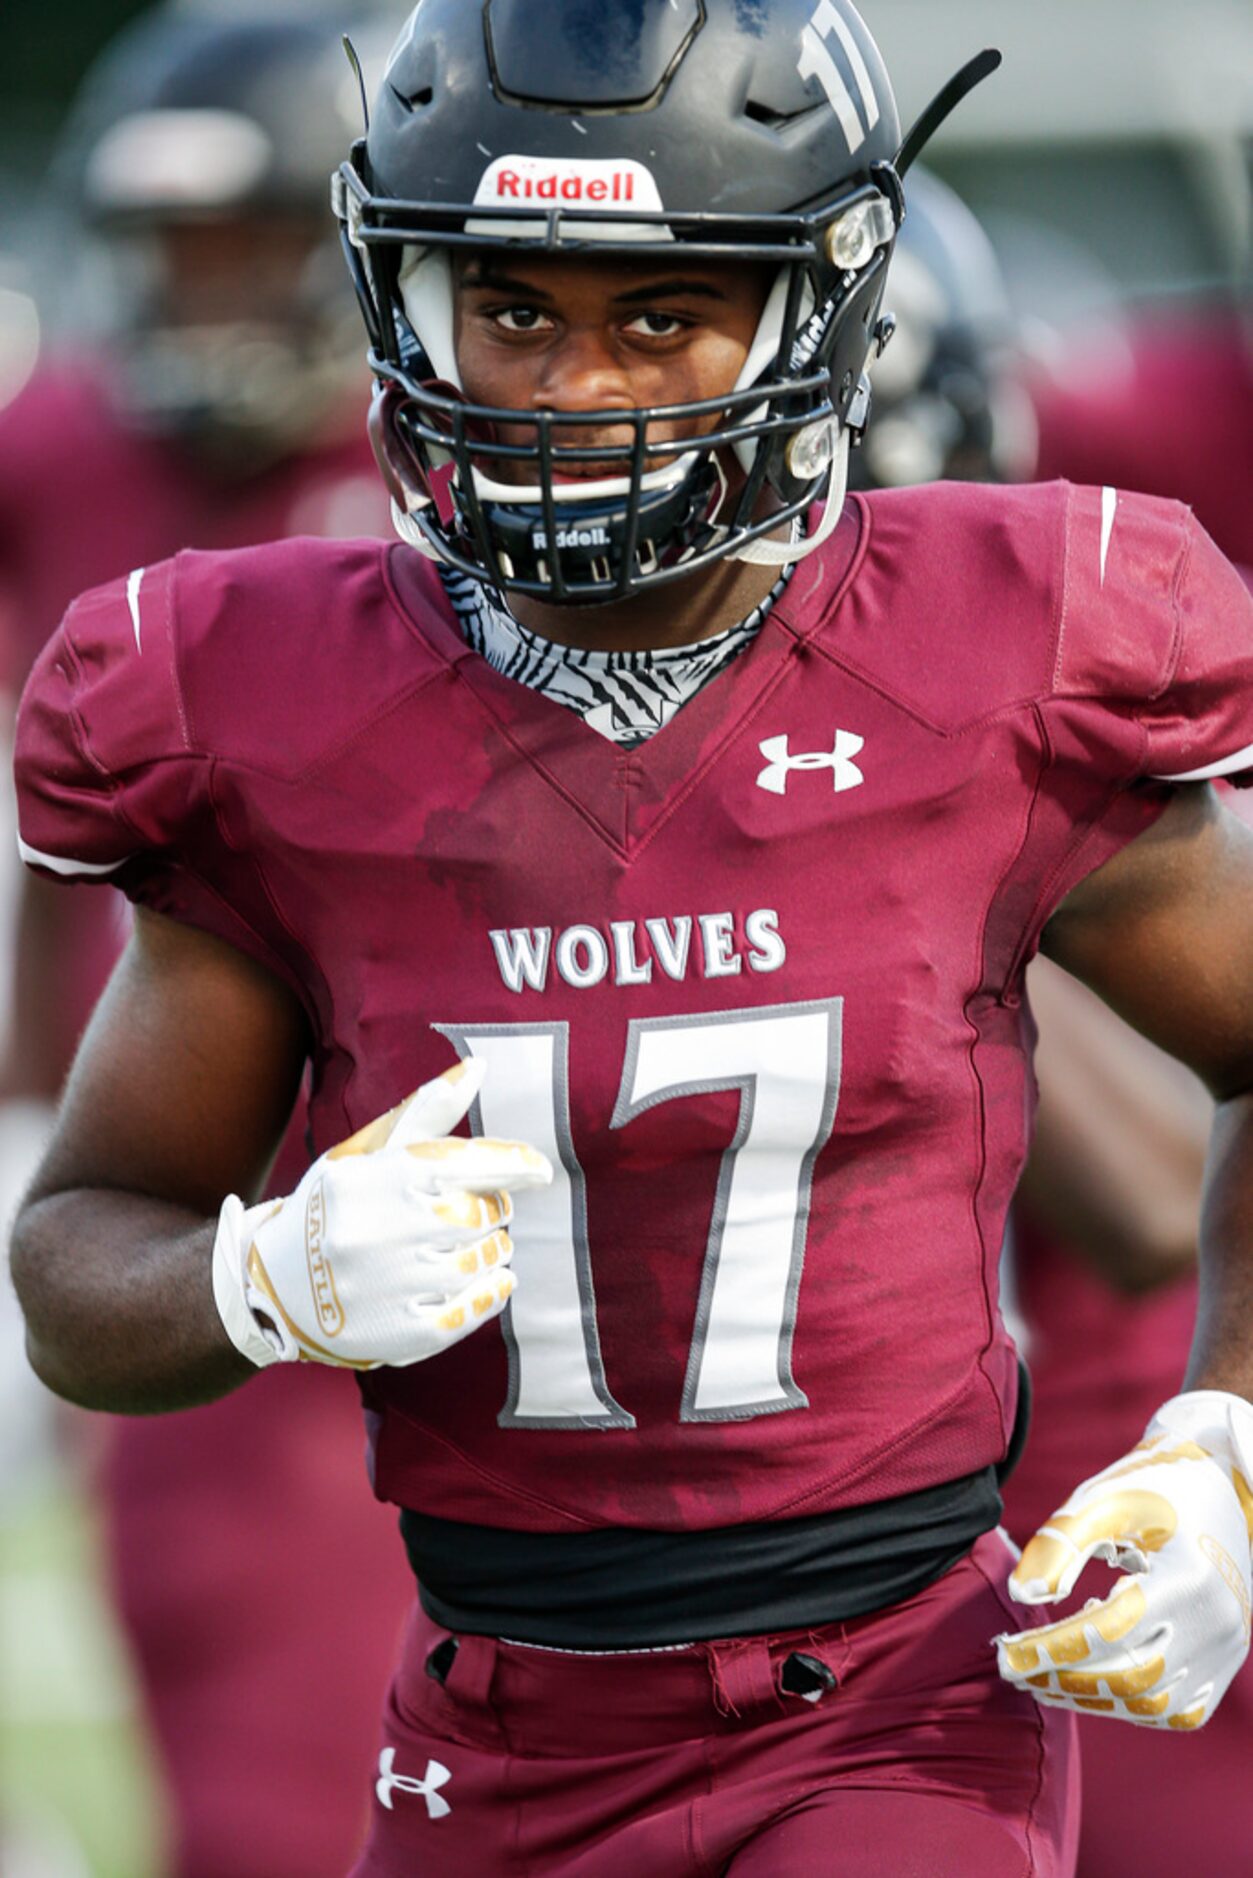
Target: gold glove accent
point(317, 1352)
point(1065, 1640)
point(1145, 1520)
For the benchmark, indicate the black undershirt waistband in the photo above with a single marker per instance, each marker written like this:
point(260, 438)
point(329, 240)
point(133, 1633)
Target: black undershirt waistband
point(622, 1588)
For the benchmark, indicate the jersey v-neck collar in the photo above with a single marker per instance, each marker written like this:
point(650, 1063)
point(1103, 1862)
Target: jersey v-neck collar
point(627, 796)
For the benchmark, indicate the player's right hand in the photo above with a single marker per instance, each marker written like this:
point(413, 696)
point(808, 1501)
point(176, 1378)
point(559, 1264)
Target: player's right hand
point(394, 1246)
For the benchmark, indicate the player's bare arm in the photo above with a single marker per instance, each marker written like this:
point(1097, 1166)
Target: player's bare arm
point(1119, 1146)
point(179, 1095)
point(393, 1247)
point(1163, 933)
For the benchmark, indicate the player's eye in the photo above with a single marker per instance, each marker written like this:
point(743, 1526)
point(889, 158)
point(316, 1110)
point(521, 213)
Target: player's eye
point(657, 325)
point(520, 319)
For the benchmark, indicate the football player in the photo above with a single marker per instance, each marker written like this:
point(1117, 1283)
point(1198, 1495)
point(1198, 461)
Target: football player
point(1105, 1223)
point(685, 829)
point(219, 405)
point(948, 392)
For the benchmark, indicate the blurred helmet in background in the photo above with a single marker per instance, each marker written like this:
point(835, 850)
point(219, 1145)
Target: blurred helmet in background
point(948, 401)
point(199, 155)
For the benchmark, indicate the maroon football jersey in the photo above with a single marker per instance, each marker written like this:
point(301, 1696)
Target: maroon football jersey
point(755, 987)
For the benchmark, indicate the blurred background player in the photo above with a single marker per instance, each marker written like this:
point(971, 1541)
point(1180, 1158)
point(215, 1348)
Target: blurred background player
point(214, 399)
point(1100, 1273)
point(949, 400)
point(1145, 382)
point(1106, 1223)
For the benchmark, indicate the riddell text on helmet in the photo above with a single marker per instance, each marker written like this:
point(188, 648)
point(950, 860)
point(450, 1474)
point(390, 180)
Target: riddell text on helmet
point(620, 187)
point(568, 179)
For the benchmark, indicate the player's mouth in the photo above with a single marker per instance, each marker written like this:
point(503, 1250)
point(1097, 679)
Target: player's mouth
point(592, 472)
point(569, 470)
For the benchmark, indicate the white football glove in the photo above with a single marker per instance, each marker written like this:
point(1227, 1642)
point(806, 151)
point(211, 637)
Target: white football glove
point(1177, 1512)
point(393, 1247)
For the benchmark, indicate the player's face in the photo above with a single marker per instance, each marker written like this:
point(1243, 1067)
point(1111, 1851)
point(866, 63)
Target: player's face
point(238, 268)
point(547, 334)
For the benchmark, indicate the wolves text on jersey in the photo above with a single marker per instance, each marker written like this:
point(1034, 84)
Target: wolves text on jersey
point(583, 956)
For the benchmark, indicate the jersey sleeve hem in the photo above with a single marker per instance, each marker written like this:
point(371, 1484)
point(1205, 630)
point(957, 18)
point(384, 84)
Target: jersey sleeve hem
point(1233, 765)
point(65, 867)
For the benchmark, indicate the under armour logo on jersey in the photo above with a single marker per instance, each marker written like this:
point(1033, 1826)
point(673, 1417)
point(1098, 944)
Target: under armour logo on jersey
point(436, 1776)
point(839, 760)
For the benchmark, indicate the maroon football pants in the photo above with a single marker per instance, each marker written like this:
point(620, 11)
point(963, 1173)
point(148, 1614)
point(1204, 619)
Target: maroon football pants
point(690, 1762)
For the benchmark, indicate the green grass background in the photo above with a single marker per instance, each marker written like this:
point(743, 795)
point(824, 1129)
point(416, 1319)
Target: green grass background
point(79, 1795)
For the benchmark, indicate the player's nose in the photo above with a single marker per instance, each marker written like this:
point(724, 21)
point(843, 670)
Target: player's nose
point(583, 373)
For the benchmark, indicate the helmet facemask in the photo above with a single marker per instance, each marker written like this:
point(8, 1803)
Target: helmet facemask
point(755, 460)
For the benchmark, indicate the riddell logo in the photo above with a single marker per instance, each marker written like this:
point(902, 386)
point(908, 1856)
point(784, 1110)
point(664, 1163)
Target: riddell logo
point(321, 1277)
point(573, 182)
point(591, 537)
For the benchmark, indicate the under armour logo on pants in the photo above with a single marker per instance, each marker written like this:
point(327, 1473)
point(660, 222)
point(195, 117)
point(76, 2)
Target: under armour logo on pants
point(435, 1776)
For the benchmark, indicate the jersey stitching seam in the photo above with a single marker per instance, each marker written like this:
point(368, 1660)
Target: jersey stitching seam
point(353, 735)
point(722, 749)
point(990, 1316)
point(885, 1452)
point(1021, 943)
point(336, 751)
point(1063, 613)
point(1182, 563)
point(301, 984)
point(450, 667)
point(1008, 708)
point(172, 654)
point(790, 597)
point(506, 1484)
point(540, 768)
point(1041, 1745)
point(74, 712)
point(1080, 836)
point(999, 988)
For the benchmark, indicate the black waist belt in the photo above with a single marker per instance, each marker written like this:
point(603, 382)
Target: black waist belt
point(623, 1588)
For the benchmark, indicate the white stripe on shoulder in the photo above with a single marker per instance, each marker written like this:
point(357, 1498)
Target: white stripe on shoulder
point(1109, 507)
point(60, 864)
point(132, 600)
point(1226, 766)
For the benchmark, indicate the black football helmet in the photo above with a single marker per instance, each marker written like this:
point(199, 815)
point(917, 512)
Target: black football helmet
point(192, 129)
point(737, 130)
point(948, 398)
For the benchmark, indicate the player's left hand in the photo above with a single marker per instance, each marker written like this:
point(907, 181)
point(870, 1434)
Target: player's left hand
point(1177, 1514)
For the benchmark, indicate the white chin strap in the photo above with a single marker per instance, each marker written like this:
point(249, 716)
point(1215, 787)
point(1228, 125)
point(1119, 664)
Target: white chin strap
point(405, 525)
point(768, 553)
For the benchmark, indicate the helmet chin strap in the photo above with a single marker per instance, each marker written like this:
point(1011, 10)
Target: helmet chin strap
point(767, 553)
point(412, 536)
point(761, 553)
